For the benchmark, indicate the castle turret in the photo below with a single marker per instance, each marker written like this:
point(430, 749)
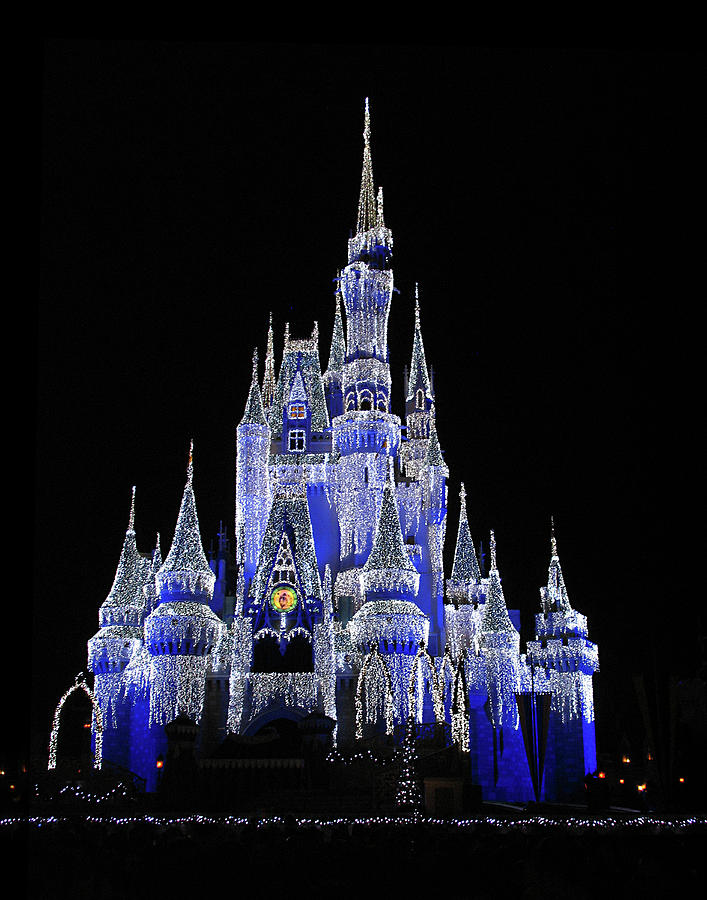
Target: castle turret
point(562, 661)
point(465, 591)
point(500, 646)
point(121, 617)
point(419, 400)
point(182, 630)
point(269, 380)
point(333, 377)
point(367, 286)
point(252, 478)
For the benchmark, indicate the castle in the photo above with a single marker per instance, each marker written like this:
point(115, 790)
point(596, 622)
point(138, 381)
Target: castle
point(339, 606)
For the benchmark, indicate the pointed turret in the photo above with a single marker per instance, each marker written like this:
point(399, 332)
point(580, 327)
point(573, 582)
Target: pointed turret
point(465, 567)
point(388, 546)
point(554, 597)
point(419, 396)
point(372, 242)
point(150, 588)
point(333, 376)
point(419, 379)
point(185, 573)
point(367, 212)
point(434, 451)
point(254, 414)
point(337, 352)
point(124, 603)
point(269, 380)
point(389, 569)
point(495, 618)
point(182, 630)
point(569, 659)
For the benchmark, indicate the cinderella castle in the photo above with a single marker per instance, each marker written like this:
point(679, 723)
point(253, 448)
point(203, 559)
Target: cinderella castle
point(329, 600)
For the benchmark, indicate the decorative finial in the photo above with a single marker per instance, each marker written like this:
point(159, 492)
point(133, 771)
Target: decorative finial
point(553, 541)
point(462, 497)
point(367, 212)
point(492, 545)
point(379, 202)
point(417, 305)
point(131, 521)
point(255, 365)
point(190, 466)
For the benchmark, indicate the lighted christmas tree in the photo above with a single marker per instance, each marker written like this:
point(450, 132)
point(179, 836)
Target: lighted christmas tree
point(408, 798)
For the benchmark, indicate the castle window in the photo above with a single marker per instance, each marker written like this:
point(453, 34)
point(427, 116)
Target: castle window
point(297, 411)
point(420, 399)
point(365, 400)
point(297, 438)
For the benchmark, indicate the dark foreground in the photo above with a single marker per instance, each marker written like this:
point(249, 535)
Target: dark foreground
point(498, 853)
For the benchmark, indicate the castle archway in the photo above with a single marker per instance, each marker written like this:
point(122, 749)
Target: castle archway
point(78, 685)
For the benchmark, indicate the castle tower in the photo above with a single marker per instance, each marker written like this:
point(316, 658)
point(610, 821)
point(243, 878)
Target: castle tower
point(389, 628)
point(118, 640)
point(182, 631)
point(465, 591)
point(366, 434)
point(562, 661)
point(367, 287)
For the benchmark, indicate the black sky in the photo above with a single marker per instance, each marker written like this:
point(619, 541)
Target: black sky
point(188, 189)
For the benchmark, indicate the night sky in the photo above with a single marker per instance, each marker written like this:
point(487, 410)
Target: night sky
point(186, 190)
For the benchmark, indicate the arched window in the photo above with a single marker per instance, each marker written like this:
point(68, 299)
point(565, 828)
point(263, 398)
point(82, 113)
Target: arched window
point(420, 399)
point(365, 400)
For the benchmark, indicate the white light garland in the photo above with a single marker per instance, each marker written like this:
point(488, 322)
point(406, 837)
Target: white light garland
point(78, 685)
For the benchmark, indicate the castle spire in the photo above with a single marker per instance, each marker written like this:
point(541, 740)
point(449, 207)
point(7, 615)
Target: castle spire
point(367, 213)
point(388, 550)
point(254, 413)
point(465, 566)
point(554, 597)
point(494, 617)
point(419, 378)
point(186, 570)
point(337, 353)
point(268, 389)
point(128, 576)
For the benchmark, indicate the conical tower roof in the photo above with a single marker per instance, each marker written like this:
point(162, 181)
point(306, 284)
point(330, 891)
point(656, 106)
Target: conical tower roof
point(465, 566)
point(337, 353)
point(555, 596)
point(129, 575)
point(269, 381)
point(367, 211)
point(254, 413)
point(494, 617)
point(418, 377)
point(388, 550)
point(186, 570)
point(434, 451)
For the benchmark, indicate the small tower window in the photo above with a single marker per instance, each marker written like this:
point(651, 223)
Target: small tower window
point(297, 411)
point(297, 438)
point(420, 399)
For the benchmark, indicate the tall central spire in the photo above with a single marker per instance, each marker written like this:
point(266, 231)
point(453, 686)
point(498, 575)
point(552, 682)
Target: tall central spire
point(367, 213)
